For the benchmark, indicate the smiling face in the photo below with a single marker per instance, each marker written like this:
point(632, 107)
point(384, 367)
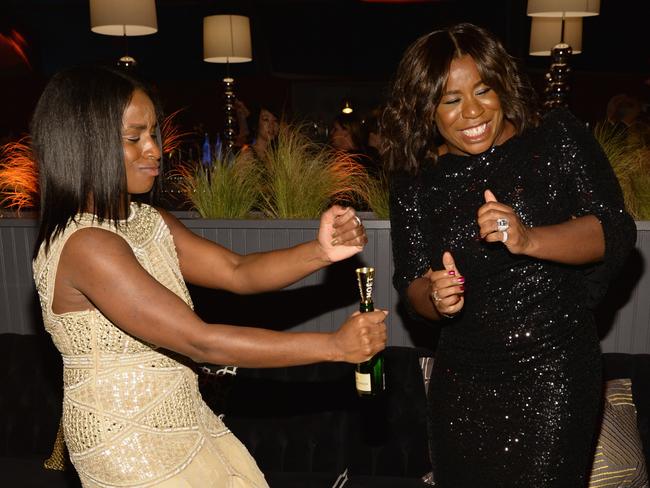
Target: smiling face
point(469, 116)
point(141, 151)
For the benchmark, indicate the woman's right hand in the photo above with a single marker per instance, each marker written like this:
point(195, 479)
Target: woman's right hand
point(447, 287)
point(361, 336)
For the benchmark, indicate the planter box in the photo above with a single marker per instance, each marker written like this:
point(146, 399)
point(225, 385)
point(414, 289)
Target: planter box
point(624, 314)
point(321, 301)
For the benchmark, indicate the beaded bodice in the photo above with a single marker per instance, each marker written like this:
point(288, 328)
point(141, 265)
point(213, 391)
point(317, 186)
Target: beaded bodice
point(132, 414)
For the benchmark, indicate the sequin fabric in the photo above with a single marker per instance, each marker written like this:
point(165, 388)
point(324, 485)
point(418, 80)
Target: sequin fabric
point(516, 385)
point(132, 414)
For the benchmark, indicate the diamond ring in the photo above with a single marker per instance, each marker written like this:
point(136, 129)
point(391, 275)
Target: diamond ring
point(504, 239)
point(503, 225)
point(435, 296)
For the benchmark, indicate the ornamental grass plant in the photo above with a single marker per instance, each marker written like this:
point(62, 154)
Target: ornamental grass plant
point(301, 178)
point(641, 189)
point(630, 160)
point(374, 190)
point(227, 189)
point(18, 176)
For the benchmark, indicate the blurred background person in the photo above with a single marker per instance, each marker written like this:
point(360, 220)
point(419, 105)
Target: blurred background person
point(349, 136)
point(625, 113)
point(346, 134)
point(259, 127)
point(372, 139)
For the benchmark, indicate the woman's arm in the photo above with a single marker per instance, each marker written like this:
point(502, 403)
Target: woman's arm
point(576, 241)
point(208, 264)
point(411, 241)
point(602, 231)
point(100, 266)
point(418, 294)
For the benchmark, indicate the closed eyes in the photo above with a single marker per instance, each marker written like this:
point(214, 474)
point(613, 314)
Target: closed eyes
point(135, 139)
point(478, 93)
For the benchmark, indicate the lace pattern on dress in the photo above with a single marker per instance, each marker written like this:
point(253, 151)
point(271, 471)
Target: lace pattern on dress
point(132, 414)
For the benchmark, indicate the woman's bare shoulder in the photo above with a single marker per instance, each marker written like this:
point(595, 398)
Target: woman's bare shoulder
point(93, 245)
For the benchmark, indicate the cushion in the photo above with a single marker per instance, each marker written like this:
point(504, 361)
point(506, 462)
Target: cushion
point(619, 460)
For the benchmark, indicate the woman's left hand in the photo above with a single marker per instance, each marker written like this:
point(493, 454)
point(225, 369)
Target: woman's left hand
point(499, 223)
point(341, 233)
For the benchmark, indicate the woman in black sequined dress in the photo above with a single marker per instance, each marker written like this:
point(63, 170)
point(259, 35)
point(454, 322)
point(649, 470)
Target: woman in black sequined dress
point(516, 386)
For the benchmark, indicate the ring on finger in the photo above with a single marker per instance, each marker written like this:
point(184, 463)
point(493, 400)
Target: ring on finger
point(504, 239)
point(503, 224)
point(435, 296)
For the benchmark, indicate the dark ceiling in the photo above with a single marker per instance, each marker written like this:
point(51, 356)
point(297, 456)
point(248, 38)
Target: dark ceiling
point(317, 38)
point(306, 51)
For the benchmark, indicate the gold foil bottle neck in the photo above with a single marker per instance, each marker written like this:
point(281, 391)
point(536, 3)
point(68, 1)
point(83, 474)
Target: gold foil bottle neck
point(366, 281)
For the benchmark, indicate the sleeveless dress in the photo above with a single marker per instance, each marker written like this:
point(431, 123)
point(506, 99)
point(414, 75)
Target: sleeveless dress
point(516, 386)
point(132, 413)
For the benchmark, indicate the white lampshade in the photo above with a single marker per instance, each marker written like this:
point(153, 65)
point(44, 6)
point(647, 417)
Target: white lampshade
point(123, 17)
point(563, 8)
point(546, 33)
point(226, 39)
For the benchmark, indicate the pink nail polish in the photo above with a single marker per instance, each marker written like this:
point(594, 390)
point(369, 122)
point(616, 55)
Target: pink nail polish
point(451, 273)
point(462, 288)
point(461, 279)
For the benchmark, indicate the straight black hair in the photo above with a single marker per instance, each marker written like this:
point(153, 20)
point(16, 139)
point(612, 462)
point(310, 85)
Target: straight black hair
point(77, 144)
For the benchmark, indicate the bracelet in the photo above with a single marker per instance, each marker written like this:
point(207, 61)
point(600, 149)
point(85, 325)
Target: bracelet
point(446, 315)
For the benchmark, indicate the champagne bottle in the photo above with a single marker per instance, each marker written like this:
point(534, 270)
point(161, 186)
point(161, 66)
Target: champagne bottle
point(369, 375)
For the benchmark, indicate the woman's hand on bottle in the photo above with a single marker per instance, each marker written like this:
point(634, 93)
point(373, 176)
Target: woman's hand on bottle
point(447, 287)
point(341, 233)
point(498, 222)
point(361, 336)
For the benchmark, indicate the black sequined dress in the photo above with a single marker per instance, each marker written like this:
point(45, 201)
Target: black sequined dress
point(516, 386)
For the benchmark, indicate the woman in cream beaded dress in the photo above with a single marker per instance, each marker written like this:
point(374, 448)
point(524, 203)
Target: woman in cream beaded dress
point(111, 276)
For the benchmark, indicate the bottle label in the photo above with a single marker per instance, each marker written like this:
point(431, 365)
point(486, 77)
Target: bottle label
point(363, 381)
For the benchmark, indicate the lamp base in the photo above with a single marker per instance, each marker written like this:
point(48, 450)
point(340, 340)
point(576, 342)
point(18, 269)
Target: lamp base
point(229, 112)
point(557, 78)
point(127, 62)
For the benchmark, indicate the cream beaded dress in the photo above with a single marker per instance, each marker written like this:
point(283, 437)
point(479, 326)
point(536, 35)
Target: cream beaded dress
point(132, 414)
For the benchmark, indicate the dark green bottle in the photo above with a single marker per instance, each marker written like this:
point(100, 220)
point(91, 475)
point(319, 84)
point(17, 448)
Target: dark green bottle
point(369, 375)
